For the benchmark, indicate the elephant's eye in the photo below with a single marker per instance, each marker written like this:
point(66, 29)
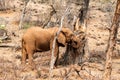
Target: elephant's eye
point(71, 35)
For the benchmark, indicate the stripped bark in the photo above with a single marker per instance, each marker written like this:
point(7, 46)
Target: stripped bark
point(112, 43)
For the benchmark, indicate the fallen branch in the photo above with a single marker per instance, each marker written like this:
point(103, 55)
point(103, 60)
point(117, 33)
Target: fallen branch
point(6, 46)
point(83, 72)
point(3, 38)
point(11, 46)
point(67, 73)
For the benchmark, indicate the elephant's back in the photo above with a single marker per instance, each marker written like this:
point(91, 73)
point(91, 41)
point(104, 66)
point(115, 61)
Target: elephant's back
point(33, 31)
point(30, 33)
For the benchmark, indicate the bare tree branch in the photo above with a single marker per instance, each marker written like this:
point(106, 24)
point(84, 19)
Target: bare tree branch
point(51, 14)
point(83, 11)
point(53, 47)
point(23, 13)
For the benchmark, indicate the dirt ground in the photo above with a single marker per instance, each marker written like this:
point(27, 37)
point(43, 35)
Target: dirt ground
point(99, 20)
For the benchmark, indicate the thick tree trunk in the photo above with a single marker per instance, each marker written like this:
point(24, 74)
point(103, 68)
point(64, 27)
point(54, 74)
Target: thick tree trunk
point(111, 43)
point(83, 11)
point(72, 55)
point(83, 23)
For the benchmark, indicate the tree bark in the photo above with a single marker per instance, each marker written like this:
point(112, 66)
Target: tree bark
point(80, 29)
point(83, 11)
point(53, 47)
point(111, 43)
point(83, 24)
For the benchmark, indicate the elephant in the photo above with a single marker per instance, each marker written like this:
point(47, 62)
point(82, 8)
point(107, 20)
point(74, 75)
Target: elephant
point(39, 39)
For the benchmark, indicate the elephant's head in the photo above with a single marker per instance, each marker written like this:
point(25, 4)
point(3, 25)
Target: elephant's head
point(68, 34)
point(65, 36)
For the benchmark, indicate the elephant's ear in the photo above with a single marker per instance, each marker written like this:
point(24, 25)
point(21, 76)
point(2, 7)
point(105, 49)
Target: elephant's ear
point(61, 39)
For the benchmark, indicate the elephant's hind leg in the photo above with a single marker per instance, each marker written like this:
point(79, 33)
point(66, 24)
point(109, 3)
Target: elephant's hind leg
point(30, 52)
point(24, 55)
point(56, 60)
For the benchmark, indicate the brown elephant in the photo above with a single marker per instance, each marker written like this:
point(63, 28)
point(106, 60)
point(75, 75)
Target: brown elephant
point(39, 39)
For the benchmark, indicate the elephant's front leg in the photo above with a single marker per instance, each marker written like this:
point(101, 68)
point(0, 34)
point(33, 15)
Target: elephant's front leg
point(56, 54)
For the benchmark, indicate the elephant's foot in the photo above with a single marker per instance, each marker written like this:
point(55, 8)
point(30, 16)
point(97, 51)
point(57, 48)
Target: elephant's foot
point(54, 67)
point(23, 62)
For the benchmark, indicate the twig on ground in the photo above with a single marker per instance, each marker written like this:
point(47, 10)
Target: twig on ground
point(67, 73)
point(5, 77)
point(24, 77)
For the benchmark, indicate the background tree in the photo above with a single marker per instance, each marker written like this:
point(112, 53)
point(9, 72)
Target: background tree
point(80, 30)
point(112, 43)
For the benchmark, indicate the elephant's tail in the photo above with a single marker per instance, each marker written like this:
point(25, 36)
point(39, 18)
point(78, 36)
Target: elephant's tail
point(23, 43)
point(23, 46)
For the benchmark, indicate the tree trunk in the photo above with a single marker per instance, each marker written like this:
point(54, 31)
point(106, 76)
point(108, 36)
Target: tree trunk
point(83, 24)
point(111, 43)
point(83, 11)
point(23, 14)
